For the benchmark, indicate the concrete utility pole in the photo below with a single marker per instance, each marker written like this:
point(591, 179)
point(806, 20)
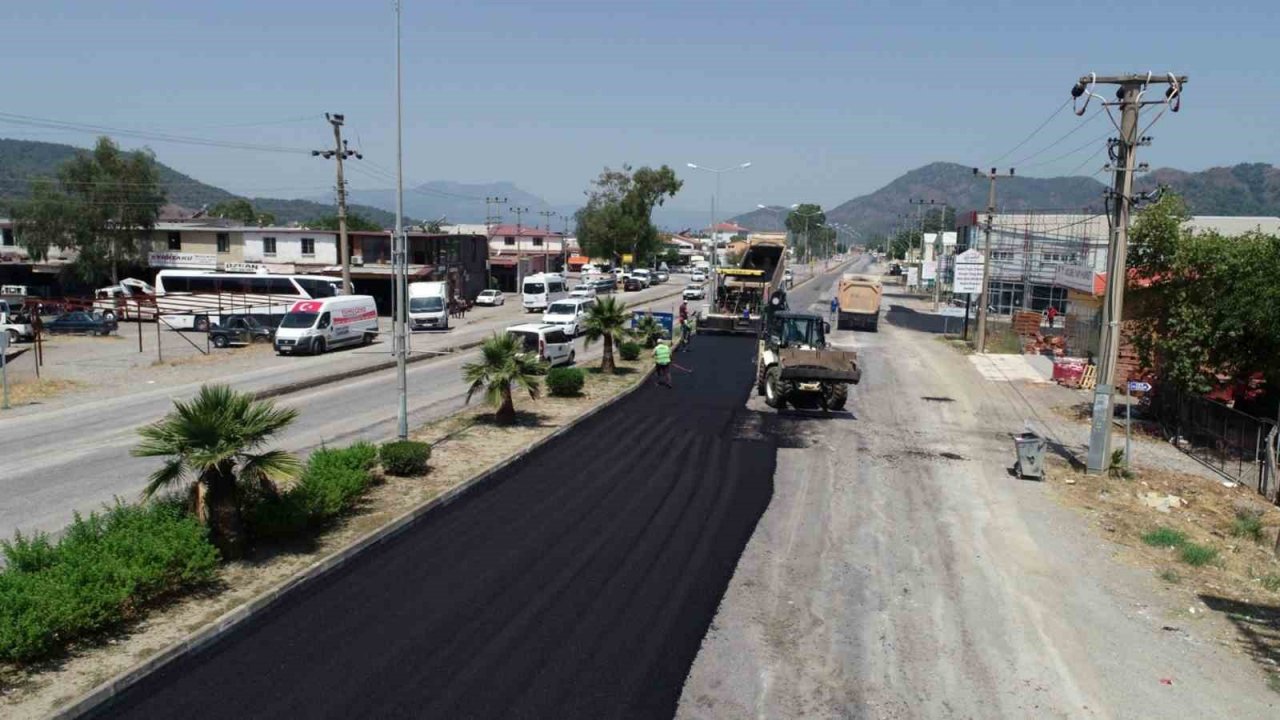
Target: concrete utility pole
point(940, 247)
point(546, 249)
point(1129, 100)
point(984, 296)
point(340, 152)
point(400, 256)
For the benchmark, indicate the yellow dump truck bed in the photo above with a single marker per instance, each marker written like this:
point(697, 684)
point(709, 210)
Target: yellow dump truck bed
point(859, 300)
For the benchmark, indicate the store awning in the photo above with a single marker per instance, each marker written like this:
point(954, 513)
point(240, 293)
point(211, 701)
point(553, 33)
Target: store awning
point(579, 259)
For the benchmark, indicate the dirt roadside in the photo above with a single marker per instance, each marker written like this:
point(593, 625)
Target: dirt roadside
point(901, 571)
point(466, 445)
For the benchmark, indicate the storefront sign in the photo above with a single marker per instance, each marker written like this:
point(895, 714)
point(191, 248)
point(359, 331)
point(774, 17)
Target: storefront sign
point(1076, 277)
point(242, 267)
point(171, 259)
point(968, 273)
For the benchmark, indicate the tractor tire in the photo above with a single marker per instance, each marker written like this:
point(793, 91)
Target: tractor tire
point(836, 395)
point(774, 389)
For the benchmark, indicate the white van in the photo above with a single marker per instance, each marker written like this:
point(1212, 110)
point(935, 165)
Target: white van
point(569, 314)
point(550, 342)
point(314, 326)
point(539, 291)
point(428, 305)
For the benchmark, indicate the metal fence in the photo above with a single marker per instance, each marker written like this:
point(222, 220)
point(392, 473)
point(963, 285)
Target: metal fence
point(1238, 446)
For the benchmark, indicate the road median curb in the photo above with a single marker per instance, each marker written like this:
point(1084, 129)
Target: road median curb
point(232, 619)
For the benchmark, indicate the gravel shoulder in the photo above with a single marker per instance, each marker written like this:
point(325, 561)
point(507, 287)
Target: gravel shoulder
point(901, 572)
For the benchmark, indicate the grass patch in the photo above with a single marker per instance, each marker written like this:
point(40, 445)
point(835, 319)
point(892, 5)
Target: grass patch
point(35, 391)
point(1273, 682)
point(1197, 555)
point(1170, 576)
point(103, 571)
point(1270, 581)
point(1165, 537)
point(1247, 524)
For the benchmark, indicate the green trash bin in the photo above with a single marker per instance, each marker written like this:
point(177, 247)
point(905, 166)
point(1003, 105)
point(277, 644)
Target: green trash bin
point(1030, 462)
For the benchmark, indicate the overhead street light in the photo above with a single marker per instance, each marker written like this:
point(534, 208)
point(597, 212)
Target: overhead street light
point(715, 200)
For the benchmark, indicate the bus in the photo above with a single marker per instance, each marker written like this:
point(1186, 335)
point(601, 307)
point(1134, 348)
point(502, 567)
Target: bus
point(192, 299)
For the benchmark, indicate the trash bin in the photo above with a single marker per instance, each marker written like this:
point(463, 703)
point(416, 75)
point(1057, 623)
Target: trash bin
point(1030, 462)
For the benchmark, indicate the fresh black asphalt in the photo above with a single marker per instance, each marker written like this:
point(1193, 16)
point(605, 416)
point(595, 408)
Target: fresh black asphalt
point(577, 583)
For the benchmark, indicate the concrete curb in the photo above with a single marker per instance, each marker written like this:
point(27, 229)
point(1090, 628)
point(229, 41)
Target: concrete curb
point(232, 619)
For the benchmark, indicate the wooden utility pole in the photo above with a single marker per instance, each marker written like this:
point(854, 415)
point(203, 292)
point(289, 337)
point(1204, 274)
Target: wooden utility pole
point(340, 153)
point(984, 296)
point(1129, 100)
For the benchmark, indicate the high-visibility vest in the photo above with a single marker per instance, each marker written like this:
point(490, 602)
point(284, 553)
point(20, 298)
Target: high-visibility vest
point(662, 354)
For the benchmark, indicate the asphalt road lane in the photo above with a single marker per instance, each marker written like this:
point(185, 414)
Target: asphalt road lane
point(578, 583)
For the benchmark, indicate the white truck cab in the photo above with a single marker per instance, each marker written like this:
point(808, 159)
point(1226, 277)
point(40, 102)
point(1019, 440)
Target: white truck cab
point(429, 306)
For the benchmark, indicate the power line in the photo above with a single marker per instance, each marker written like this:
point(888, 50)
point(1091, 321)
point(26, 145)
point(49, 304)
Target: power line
point(1055, 143)
point(1069, 153)
point(30, 121)
point(1027, 139)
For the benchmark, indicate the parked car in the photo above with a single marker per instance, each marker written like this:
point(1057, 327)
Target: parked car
point(584, 291)
point(569, 314)
point(698, 277)
point(491, 297)
point(549, 343)
point(694, 291)
point(239, 330)
point(644, 276)
point(606, 285)
point(661, 276)
point(80, 322)
point(632, 284)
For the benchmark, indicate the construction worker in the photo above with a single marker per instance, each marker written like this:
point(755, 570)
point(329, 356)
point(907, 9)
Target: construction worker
point(835, 307)
point(662, 362)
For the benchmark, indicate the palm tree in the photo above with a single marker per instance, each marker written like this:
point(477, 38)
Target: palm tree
point(606, 319)
point(214, 440)
point(503, 363)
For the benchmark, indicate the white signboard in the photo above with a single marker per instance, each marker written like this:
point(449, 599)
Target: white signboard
point(173, 259)
point(913, 276)
point(968, 275)
point(1076, 277)
point(948, 239)
point(243, 267)
point(930, 269)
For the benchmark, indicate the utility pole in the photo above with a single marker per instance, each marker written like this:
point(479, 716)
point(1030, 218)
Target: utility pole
point(546, 249)
point(399, 257)
point(340, 152)
point(983, 297)
point(940, 247)
point(1129, 99)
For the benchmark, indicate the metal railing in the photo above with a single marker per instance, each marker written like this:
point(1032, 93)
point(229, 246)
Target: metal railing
point(1236, 445)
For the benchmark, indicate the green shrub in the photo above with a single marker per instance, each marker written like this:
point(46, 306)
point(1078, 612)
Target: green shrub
point(1165, 537)
point(1270, 581)
point(405, 458)
point(1247, 524)
point(332, 483)
point(104, 570)
point(565, 381)
point(629, 351)
point(1197, 555)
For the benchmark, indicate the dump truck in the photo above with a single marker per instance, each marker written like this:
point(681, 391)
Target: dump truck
point(741, 291)
point(794, 365)
point(858, 297)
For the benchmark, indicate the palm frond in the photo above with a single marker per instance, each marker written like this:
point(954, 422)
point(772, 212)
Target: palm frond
point(273, 465)
point(173, 471)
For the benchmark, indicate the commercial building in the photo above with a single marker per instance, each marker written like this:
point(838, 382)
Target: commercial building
point(517, 250)
point(460, 260)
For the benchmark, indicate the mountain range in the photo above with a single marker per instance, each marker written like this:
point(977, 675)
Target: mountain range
point(22, 161)
point(1246, 189)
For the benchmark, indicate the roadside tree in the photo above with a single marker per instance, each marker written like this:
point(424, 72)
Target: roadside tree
point(215, 441)
point(241, 211)
point(355, 223)
point(617, 217)
point(607, 321)
point(502, 365)
point(102, 202)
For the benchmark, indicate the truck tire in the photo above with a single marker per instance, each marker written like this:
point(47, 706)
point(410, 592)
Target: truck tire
point(220, 341)
point(843, 322)
point(317, 347)
point(837, 394)
point(875, 324)
point(774, 389)
point(13, 336)
point(201, 323)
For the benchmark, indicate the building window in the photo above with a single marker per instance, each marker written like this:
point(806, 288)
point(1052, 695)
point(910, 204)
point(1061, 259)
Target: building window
point(537, 242)
point(175, 240)
point(224, 242)
point(308, 247)
point(268, 246)
point(6, 237)
point(999, 255)
point(508, 241)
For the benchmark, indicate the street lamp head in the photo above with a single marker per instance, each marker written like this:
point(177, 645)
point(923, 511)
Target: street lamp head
point(745, 165)
point(695, 167)
point(762, 207)
point(793, 206)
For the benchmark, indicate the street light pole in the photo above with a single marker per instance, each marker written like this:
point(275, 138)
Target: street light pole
point(715, 199)
point(399, 255)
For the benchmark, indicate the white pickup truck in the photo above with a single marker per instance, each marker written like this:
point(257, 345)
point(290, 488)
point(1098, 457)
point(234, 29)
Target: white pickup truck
point(15, 324)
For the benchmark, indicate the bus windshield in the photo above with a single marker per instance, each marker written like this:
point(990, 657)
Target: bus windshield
point(299, 320)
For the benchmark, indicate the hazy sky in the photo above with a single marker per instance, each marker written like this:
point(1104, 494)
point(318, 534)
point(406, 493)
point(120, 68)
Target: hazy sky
point(827, 99)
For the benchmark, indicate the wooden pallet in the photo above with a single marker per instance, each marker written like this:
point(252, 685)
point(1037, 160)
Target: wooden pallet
point(1089, 380)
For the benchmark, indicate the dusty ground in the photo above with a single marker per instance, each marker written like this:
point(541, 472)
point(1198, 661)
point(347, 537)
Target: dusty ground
point(467, 445)
point(901, 571)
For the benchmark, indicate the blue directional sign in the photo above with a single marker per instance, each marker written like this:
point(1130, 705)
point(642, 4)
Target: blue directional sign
point(1135, 386)
point(667, 320)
